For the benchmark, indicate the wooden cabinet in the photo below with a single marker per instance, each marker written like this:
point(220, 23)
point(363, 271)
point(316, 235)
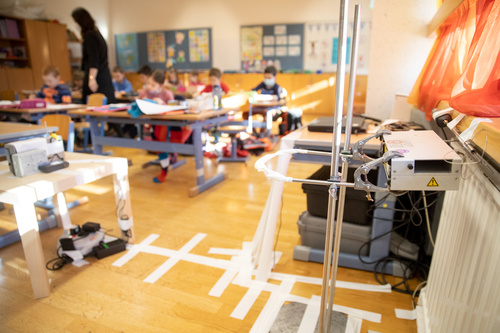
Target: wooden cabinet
point(13, 49)
point(58, 47)
point(47, 46)
point(20, 79)
point(23, 57)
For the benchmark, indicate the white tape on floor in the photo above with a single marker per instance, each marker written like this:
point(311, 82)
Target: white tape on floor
point(229, 252)
point(239, 271)
point(339, 284)
point(311, 315)
point(248, 300)
point(406, 314)
point(365, 315)
point(223, 283)
point(160, 271)
point(268, 315)
point(134, 250)
point(353, 324)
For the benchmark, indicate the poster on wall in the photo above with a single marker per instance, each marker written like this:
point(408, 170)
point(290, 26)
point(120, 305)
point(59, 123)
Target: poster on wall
point(156, 47)
point(199, 48)
point(251, 43)
point(279, 45)
point(321, 46)
point(128, 57)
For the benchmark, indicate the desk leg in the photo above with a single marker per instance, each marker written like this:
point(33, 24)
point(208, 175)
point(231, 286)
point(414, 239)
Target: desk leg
point(123, 205)
point(32, 246)
point(250, 120)
point(61, 210)
point(94, 133)
point(271, 212)
point(202, 184)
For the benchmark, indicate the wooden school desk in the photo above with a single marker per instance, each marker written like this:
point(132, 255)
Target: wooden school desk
point(23, 192)
point(37, 113)
point(264, 236)
point(195, 122)
point(10, 132)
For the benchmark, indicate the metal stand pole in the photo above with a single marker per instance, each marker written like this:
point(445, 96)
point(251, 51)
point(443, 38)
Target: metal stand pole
point(328, 289)
point(345, 162)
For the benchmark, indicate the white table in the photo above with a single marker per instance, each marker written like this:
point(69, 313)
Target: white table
point(24, 192)
point(262, 244)
point(17, 131)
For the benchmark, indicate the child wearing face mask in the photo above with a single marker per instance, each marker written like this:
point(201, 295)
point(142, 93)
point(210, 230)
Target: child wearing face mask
point(269, 85)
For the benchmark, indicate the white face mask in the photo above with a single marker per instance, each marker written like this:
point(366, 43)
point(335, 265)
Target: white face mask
point(269, 82)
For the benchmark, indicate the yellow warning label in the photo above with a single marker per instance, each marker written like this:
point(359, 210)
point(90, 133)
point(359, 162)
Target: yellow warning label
point(433, 182)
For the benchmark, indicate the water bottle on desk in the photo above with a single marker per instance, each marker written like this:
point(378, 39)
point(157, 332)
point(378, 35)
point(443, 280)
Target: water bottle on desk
point(217, 96)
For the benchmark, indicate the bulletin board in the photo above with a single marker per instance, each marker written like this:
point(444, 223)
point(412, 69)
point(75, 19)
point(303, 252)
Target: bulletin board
point(321, 46)
point(281, 45)
point(184, 49)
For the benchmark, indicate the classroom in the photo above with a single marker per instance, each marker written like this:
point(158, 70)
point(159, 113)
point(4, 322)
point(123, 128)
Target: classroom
point(265, 166)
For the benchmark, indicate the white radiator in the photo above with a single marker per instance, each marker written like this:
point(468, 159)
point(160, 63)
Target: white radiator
point(463, 289)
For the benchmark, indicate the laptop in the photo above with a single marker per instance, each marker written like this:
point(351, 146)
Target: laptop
point(325, 124)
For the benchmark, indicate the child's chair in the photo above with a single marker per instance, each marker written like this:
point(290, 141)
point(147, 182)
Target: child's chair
point(66, 128)
point(97, 99)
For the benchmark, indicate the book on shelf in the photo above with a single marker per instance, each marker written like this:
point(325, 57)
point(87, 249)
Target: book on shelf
point(3, 29)
point(12, 29)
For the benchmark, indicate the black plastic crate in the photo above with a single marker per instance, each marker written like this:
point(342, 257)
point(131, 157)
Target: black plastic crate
point(356, 204)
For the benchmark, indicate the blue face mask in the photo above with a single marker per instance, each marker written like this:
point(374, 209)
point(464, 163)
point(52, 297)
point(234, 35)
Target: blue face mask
point(269, 82)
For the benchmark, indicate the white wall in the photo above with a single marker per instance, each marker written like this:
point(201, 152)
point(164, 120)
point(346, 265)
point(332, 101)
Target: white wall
point(399, 45)
point(398, 50)
point(224, 17)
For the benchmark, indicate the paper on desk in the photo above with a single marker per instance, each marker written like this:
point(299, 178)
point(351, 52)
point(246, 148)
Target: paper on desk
point(62, 106)
point(153, 108)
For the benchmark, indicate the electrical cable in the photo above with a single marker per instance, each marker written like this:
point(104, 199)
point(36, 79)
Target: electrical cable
point(427, 219)
point(409, 216)
point(414, 295)
point(58, 262)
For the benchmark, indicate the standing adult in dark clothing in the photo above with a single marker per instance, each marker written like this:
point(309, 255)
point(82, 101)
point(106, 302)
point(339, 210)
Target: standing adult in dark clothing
point(95, 57)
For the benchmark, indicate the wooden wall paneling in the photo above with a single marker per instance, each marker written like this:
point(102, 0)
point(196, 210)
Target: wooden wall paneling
point(20, 79)
point(134, 79)
point(58, 47)
point(4, 85)
point(39, 48)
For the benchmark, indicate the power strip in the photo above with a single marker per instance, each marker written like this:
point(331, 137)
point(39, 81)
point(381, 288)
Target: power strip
point(104, 250)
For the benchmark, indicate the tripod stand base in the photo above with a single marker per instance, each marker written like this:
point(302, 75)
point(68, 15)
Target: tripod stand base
point(290, 318)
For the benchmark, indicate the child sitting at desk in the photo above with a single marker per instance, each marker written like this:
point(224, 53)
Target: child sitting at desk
point(157, 92)
point(53, 90)
point(194, 79)
point(144, 73)
point(269, 85)
point(120, 83)
point(195, 84)
point(214, 79)
point(173, 83)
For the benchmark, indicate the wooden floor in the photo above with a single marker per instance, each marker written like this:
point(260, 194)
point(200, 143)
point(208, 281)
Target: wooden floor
point(103, 298)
